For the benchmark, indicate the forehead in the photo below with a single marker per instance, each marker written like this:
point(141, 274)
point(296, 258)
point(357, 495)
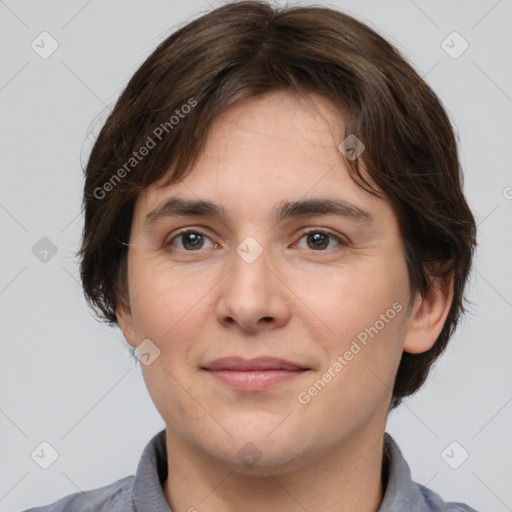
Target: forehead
point(266, 149)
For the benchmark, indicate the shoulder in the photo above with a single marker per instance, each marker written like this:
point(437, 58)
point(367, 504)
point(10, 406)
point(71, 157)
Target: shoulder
point(114, 497)
point(402, 493)
point(435, 503)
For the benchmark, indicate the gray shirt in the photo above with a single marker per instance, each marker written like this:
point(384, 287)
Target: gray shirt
point(143, 492)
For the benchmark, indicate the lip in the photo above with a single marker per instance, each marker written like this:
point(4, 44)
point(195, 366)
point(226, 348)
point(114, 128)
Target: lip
point(258, 363)
point(253, 374)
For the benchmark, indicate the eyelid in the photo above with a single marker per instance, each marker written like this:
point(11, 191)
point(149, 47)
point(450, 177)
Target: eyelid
point(339, 237)
point(176, 234)
point(342, 240)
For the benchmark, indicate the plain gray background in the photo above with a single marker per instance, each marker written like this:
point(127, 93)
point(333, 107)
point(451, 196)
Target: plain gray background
point(68, 380)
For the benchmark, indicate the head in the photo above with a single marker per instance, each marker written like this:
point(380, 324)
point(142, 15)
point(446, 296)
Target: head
point(254, 109)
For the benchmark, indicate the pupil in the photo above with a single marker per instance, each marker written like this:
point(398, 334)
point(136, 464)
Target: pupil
point(319, 240)
point(193, 239)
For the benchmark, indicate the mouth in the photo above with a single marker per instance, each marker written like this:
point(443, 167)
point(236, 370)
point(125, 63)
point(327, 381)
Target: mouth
point(253, 374)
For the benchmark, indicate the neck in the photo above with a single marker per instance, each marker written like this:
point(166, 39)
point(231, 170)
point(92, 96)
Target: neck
point(348, 479)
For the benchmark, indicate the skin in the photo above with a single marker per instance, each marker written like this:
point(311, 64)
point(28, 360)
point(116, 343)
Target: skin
point(294, 301)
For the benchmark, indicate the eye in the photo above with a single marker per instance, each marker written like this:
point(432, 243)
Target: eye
point(190, 240)
point(319, 240)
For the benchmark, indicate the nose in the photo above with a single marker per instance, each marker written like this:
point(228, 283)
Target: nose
point(253, 297)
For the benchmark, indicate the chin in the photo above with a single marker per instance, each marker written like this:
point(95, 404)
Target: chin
point(253, 459)
point(262, 428)
point(253, 451)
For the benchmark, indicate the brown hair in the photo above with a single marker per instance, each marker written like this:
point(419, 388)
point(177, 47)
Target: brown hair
point(244, 49)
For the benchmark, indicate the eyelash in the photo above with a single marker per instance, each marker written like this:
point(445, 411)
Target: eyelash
point(177, 235)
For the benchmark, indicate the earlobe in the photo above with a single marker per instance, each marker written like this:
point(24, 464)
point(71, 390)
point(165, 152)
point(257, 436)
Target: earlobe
point(428, 315)
point(125, 321)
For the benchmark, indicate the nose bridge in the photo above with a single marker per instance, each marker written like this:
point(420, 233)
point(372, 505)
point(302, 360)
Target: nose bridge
point(252, 294)
point(250, 275)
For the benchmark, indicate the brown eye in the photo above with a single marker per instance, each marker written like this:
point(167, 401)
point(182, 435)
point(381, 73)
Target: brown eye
point(188, 241)
point(321, 240)
point(317, 240)
point(192, 240)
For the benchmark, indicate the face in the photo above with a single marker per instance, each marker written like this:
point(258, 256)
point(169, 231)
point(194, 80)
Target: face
point(324, 288)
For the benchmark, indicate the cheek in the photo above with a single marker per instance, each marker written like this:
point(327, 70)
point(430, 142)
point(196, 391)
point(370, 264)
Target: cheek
point(373, 318)
point(348, 300)
point(163, 298)
point(364, 309)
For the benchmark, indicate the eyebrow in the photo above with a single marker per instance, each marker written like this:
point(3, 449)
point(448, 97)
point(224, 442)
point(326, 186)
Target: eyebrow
point(179, 207)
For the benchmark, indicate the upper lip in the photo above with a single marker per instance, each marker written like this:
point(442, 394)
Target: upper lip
point(258, 363)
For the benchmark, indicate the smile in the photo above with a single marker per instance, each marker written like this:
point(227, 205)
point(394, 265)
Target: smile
point(254, 380)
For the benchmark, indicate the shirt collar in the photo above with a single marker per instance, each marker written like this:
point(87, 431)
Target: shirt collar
point(401, 493)
point(147, 493)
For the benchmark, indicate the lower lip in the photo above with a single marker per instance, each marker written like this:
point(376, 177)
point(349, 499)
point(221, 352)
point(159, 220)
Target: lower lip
point(254, 380)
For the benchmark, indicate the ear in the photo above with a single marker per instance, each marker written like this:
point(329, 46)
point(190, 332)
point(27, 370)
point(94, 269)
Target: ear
point(428, 315)
point(125, 321)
